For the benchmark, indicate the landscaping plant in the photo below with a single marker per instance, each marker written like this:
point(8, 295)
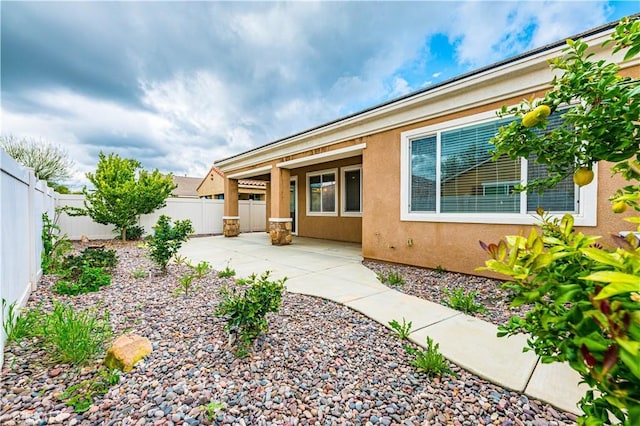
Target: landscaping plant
point(245, 311)
point(463, 301)
point(82, 395)
point(80, 280)
point(585, 292)
point(21, 324)
point(392, 278)
point(54, 245)
point(123, 191)
point(429, 361)
point(76, 336)
point(201, 269)
point(402, 330)
point(227, 272)
point(167, 240)
point(185, 285)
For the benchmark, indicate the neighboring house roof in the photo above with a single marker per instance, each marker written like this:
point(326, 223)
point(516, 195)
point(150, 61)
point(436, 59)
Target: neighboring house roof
point(414, 106)
point(245, 183)
point(186, 186)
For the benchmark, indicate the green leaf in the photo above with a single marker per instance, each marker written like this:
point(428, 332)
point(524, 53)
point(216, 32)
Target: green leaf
point(612, 259)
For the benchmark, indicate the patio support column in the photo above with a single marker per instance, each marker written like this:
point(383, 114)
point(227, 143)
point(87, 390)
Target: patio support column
point(280, 220)
point(267, 199)
point(231, 218)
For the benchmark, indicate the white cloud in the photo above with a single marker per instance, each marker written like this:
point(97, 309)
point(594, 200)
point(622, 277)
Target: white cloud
point(488, 31)
point(436, 74)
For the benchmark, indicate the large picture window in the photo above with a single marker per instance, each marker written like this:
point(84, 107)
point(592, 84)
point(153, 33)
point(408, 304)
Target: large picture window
point(321, 193)
point(448, 175)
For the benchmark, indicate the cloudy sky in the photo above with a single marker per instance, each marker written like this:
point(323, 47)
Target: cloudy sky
point(178, 85)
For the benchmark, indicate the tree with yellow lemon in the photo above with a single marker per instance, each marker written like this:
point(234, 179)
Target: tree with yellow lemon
point(584, 290)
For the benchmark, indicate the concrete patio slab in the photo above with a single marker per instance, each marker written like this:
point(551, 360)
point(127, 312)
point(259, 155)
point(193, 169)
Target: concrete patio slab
point(314, 285)
point(472, 344)
point(393, 305)
point(557, 384)
point(354, 272)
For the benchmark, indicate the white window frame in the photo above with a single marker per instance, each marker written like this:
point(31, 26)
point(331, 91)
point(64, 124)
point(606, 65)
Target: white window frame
point(586, 214)
point(308, 192)
point(343, 190)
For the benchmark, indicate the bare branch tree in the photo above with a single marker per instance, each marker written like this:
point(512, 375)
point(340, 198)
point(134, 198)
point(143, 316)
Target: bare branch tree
point(49, 162)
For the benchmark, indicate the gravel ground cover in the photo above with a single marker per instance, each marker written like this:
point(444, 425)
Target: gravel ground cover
point(430, 284)
point(321, 363)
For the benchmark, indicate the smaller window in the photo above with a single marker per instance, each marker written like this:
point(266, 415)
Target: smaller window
point(351, 189)
point(322, 197)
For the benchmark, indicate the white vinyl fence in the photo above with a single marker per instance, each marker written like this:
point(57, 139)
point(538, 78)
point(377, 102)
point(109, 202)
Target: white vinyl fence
point(205, 215)
point(23, 200)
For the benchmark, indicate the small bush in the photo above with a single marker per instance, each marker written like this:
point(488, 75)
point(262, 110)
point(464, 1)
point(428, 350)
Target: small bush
point(88, 279)
point(76, 337)
point(167, 240)
point(461, 301)
point(391, 278)
point(430, 361)
point(403, 330)
point(246, 311)
point(133, 233)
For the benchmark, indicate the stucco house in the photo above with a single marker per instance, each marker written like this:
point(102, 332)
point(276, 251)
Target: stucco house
point(410, 179)
point(212, 187)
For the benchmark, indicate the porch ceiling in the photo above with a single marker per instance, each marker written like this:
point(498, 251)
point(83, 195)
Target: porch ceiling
point(324, 157)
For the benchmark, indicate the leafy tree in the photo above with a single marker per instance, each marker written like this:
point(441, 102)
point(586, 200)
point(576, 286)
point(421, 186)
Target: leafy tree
point(585, 295)
point(124, 191)
point(49, 162)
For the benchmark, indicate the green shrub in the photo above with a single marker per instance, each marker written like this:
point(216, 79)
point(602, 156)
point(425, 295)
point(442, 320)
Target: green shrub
point(227, 272)
point(76, 337)
point(585, 296)
point(134, 232)
point(392, 278)
point(82, 280)
point(54, 245)
point(461, 301)
point(246, 311)
point(92, 257)
point(139, 273)
point(430, 361)
point(82, 395)
point(402, 330)
point(167, 240)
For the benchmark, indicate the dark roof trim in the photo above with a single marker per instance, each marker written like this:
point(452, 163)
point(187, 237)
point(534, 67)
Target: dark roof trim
point(533, 52)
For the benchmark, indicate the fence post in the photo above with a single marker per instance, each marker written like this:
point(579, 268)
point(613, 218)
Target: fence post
point(32, 229)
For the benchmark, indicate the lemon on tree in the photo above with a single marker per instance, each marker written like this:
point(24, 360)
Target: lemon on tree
point(535, 116)
point(583, 176)
point(619, 207)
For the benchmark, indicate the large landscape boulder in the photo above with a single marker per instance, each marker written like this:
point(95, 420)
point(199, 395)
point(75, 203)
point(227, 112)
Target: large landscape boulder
point(126, 351)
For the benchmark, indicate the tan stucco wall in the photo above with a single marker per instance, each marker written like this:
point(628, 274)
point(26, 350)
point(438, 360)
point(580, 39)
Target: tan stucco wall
point(453, 246)
point(338, 228)
point(213, 184)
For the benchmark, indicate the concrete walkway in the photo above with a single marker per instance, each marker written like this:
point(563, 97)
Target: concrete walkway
point(333, 270)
